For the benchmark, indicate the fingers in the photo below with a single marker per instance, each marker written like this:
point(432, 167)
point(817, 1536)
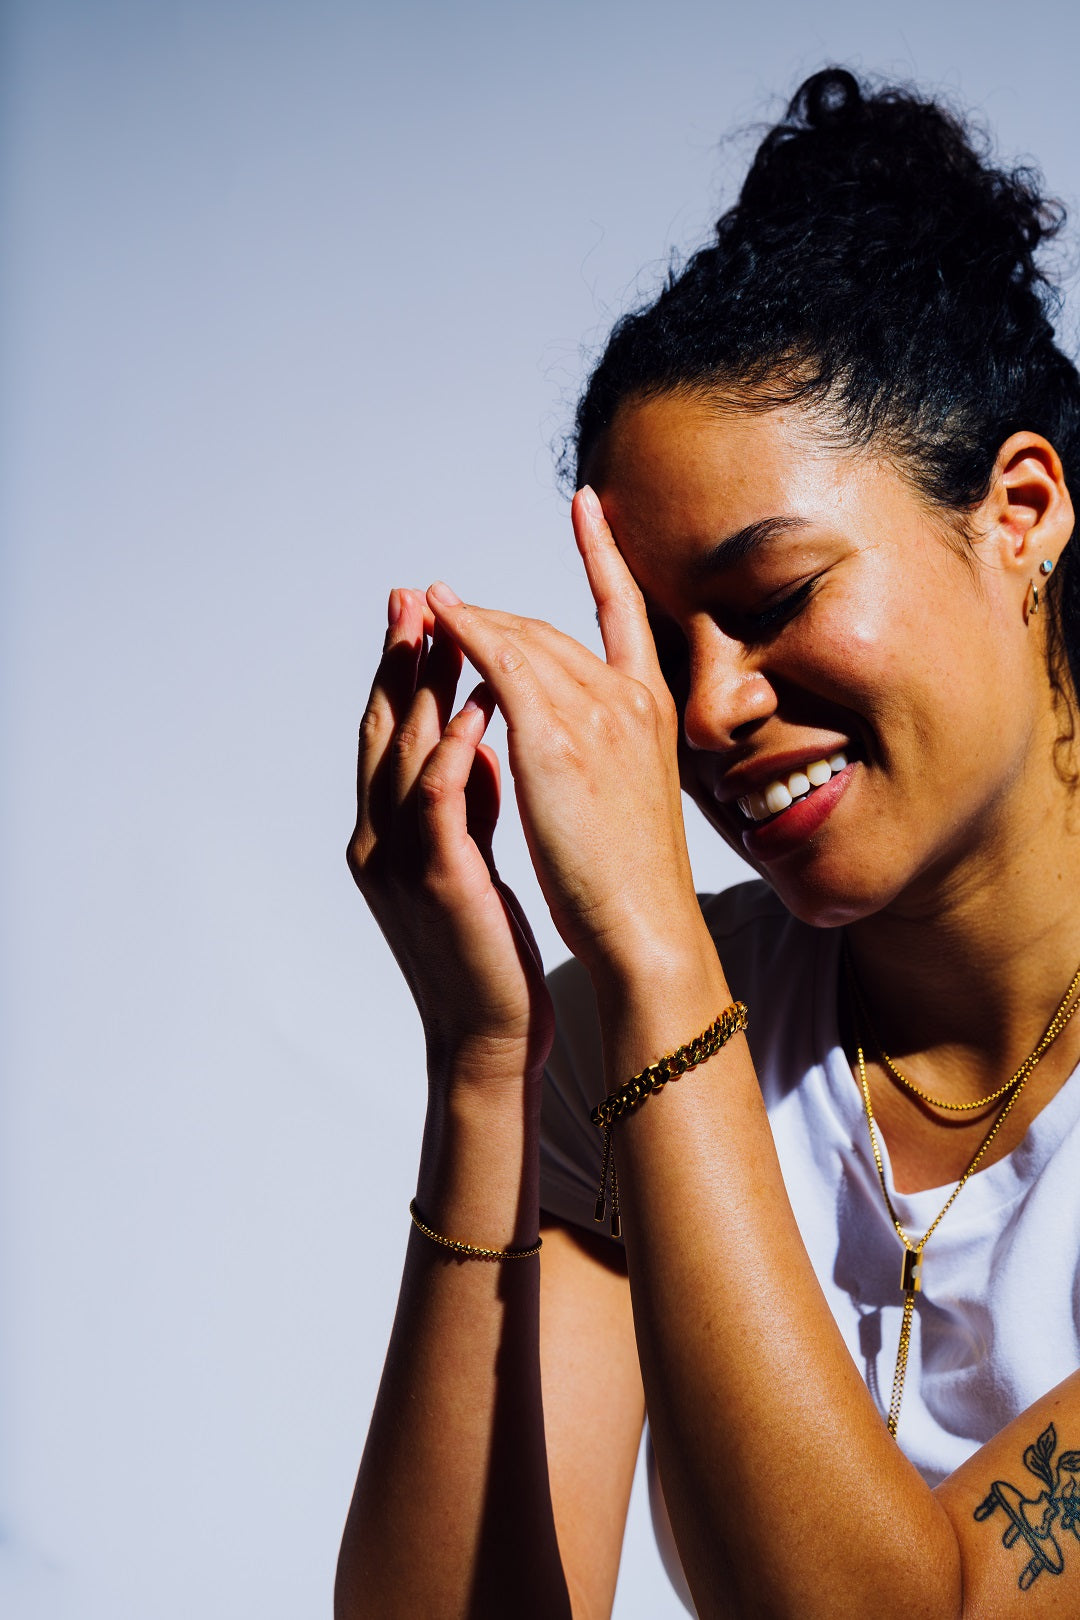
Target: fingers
point(620, 605)
point(483, 797)
point(530, 666)
point(493, 642)
point(423, 723)
point(394, 686)
point(458, 789)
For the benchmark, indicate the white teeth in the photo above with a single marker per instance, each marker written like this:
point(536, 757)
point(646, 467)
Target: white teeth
point(777, 797)
point(780, 794)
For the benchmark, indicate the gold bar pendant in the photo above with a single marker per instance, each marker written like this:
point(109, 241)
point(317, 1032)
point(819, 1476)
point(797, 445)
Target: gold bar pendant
point(910, 1280)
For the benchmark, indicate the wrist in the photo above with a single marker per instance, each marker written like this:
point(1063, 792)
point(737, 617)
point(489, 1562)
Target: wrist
point(658, 1006)
point(479, 1167)
point(483, 1063)
point(657, 968)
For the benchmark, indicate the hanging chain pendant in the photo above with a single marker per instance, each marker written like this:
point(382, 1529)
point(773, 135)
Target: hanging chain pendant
point(911, 1284)
point(901, 1362)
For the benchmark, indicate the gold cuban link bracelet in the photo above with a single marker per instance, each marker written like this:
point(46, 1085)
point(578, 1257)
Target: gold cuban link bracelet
point(650, 1080)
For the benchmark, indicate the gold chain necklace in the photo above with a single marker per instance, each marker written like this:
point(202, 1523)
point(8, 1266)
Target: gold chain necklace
point(939, 1102)
point(910, 1279)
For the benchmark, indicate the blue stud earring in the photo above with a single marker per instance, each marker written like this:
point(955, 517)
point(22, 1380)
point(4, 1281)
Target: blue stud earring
point(1031, 606)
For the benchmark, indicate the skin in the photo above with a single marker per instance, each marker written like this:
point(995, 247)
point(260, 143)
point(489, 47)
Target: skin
point(951, 857)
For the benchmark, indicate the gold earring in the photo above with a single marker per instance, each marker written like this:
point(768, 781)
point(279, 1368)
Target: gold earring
point(1031, 601)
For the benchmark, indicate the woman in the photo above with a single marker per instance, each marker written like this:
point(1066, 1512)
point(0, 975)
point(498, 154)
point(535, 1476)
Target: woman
point(824, 513)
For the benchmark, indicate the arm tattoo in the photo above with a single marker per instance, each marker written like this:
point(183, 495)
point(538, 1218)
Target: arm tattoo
point(1032, 1518)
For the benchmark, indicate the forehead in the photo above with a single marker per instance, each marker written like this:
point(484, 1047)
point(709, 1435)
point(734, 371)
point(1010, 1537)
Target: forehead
point(682, 470)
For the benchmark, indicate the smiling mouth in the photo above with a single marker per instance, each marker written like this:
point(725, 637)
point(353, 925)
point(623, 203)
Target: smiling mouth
point(780, 795)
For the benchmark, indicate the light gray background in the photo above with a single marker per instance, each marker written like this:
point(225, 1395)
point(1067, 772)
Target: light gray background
point(293, 301)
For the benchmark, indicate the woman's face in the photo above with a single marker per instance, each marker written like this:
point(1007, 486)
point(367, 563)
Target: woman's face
point(809, 605)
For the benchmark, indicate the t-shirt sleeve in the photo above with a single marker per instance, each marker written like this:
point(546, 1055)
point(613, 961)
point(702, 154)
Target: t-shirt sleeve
point(571, 1146)
point(743, 921)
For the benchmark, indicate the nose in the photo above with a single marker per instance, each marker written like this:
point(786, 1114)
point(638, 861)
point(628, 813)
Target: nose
point(728, 693)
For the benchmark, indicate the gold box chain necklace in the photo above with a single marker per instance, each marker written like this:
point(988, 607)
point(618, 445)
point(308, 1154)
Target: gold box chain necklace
point(1008, 1094)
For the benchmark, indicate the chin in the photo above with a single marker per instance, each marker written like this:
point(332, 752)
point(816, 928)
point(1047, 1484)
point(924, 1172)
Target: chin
point(825, 908)
point(816, 883)
point(824, 892)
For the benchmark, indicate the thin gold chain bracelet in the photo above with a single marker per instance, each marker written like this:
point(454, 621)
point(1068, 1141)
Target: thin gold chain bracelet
point(471, 1251)
point(650, 1080)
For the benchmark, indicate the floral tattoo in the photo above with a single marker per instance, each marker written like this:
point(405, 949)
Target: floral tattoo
point(1033, 1519)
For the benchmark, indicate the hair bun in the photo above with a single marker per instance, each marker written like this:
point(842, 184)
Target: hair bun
point(880, 178)
point(826, 99)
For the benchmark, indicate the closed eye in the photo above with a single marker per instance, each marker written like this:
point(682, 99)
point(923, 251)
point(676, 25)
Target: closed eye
point(757, 626)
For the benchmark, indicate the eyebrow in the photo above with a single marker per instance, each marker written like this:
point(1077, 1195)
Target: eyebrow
point(726, 553)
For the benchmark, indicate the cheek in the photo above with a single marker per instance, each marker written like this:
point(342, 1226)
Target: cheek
point(935, 682)
point(890, 659)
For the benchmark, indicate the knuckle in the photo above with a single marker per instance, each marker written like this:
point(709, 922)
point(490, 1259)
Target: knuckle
point(602, 722)
point(358, 853)
point(508, 660)
point(563, 747)
point(640, 702)
point(372, 728)
point(435, 881)
point(406, 739)
point(432, 791)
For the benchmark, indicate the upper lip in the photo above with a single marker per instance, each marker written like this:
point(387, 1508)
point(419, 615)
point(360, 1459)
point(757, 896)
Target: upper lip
point(755, 775)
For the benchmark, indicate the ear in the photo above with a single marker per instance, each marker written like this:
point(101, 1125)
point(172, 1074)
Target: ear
point(1027, 516)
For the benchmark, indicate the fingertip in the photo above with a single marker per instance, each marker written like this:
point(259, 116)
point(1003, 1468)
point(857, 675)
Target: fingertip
point(591, 528)
point(413, 611)
point(482, 697)
point(441, 593)
point(589, 503)
point(393, 608)
point(474, 713)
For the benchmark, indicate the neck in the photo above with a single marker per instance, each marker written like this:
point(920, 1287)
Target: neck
point(968, 969)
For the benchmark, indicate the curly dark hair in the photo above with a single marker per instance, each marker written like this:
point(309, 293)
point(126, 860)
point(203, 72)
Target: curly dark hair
point(879, 270)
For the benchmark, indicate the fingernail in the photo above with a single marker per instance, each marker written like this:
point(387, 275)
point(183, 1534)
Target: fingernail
point(590, 502)
point(442, 593)
point(393, 608)
point(470, 706)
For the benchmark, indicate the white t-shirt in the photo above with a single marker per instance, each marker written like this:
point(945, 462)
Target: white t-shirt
point(997, 1323)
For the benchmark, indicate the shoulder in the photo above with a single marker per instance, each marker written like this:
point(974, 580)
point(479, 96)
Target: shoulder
point(745, 909)
point(761, 945)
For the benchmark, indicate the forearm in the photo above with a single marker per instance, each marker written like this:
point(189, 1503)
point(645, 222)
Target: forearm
point(452, 1513)
point(787, 1495)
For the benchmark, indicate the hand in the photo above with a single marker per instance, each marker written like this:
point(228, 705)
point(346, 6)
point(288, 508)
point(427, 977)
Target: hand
point(421, 855)
point(593, 751)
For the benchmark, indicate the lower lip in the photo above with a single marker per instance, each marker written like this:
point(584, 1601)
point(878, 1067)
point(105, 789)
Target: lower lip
point(767, 840)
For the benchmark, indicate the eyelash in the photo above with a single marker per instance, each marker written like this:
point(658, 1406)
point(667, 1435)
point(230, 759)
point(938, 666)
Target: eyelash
point(671, 646)
point(760, 624)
